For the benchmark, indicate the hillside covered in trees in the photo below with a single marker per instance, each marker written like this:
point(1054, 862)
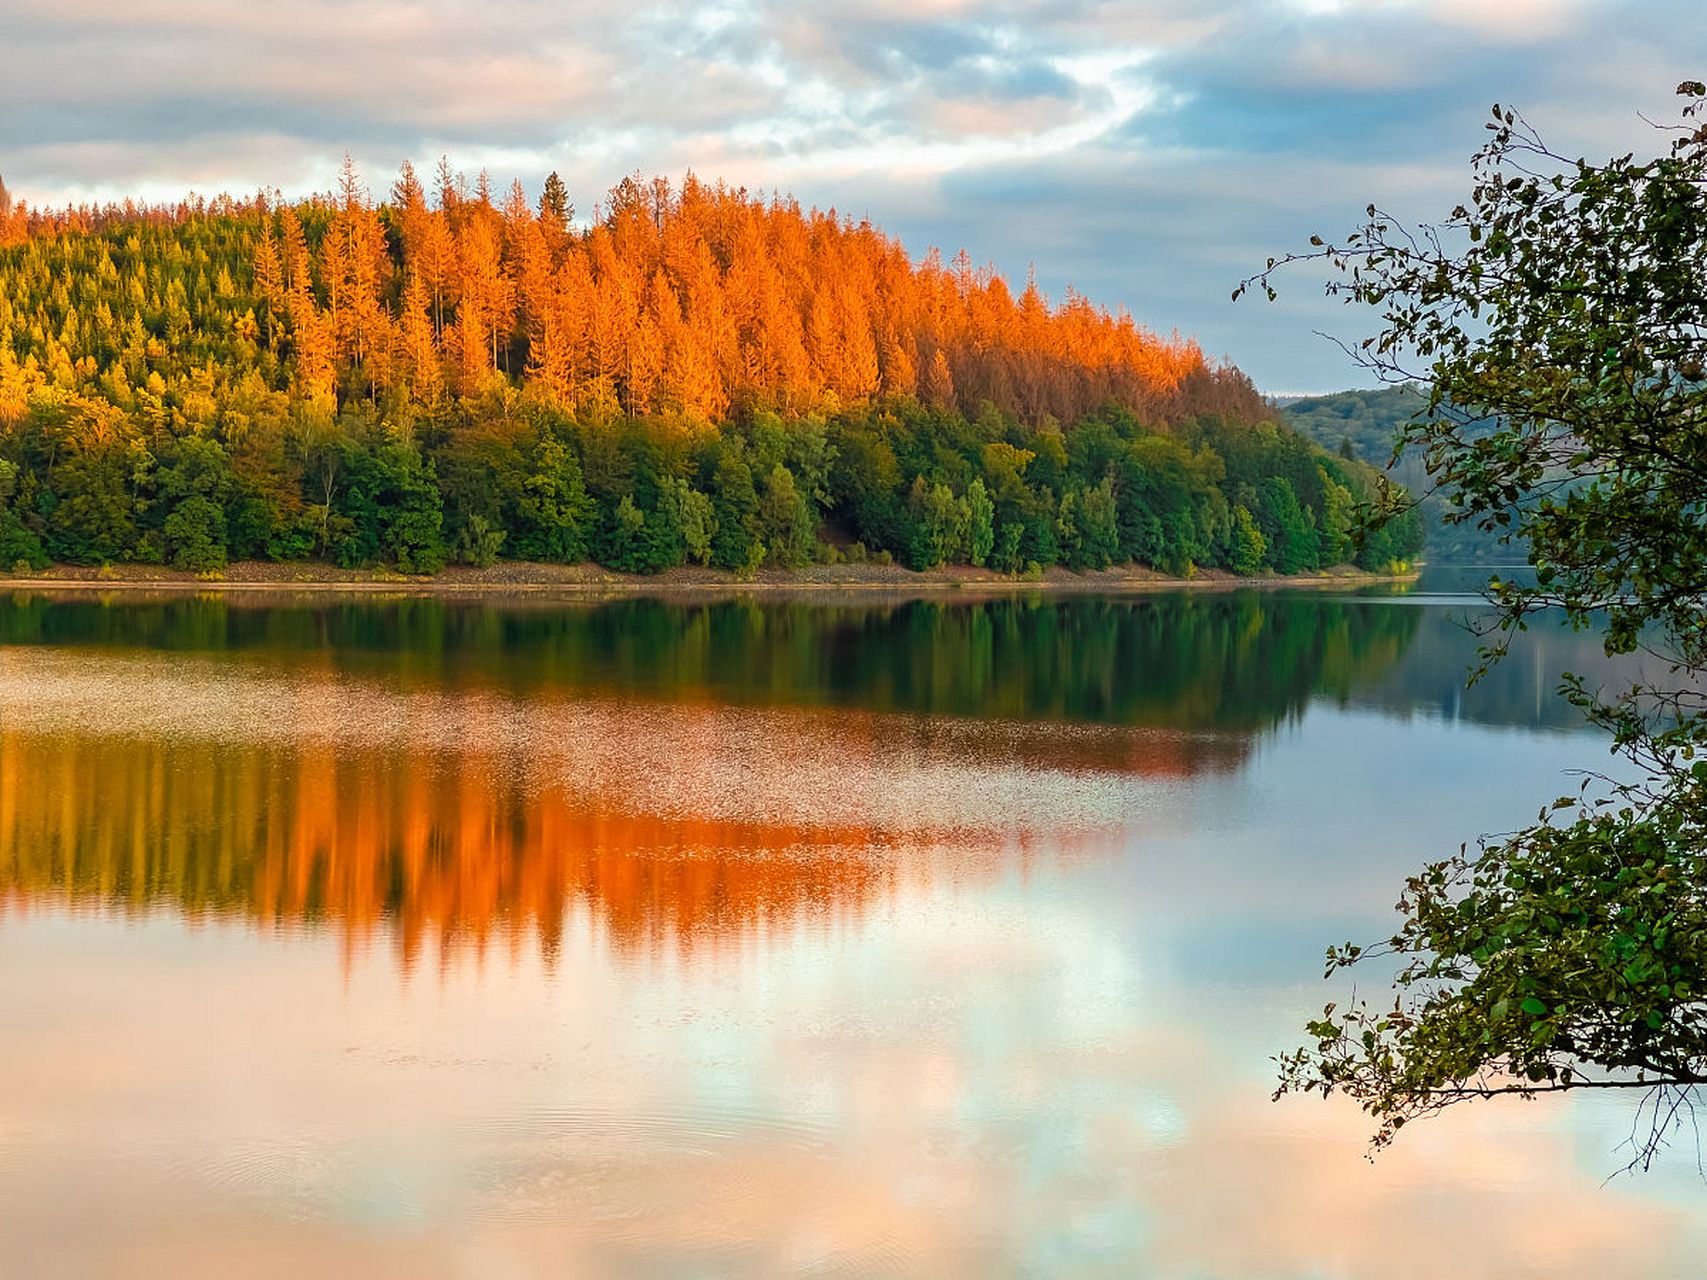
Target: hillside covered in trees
point(1365, 425)
point(691, 375)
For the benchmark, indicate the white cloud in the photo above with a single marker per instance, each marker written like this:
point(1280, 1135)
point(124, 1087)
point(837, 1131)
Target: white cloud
point(1518, 21)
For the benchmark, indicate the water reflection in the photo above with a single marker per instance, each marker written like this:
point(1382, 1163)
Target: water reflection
point(732, 939)
point(458, 853)
point(1239, 661)
point(466, 775)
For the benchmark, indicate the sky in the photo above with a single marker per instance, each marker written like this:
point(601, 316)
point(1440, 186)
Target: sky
point(1149, 153)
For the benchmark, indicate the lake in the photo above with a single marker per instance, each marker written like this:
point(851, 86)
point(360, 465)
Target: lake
point(745, 937)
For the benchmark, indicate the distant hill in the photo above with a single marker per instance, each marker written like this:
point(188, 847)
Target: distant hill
point(1370, 420)
point(1365, 425)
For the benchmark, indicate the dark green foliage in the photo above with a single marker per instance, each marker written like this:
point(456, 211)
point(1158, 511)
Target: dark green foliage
point(18, 543)
point(1099, 525)
point(1248, 549)
point(623, 541)
point(1336, 520)
point(980, 523)
point(788, 521)
point(1067, 532)
point(195, 535)
point(1369, 426)
point(939, 523)
point(754, 492)
point(394, 512)
point(477, 542)
point(1287, 528)
point(738, 543)
point(551, 509)
point(91, 503)
point(1557, 314)
point(691, 517)
point(192, 485)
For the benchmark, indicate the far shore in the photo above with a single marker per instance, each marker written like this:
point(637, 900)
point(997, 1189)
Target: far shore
point(588, 580)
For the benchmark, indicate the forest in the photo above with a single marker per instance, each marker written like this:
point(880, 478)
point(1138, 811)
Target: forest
point(692, 374)
point(1367, 425)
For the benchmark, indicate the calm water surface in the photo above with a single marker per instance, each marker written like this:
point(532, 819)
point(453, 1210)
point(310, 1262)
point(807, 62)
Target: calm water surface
point(419, 938)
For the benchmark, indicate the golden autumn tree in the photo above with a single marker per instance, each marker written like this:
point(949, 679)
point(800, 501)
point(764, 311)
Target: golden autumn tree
point(354, 265)
point(269, 281)
point(313, 342)
point(416, 348)
point(695, 299)
point(939, 382)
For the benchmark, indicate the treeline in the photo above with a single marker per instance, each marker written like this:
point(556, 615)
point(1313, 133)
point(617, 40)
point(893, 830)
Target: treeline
point(1366, 425)
point(696, 376)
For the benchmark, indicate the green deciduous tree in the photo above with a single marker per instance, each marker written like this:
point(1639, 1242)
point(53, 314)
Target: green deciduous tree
point(939, 521)
point(623, 538)
point(1286, 525)
point(18, 543)
point(1099, 528)
point(1335, 522)
point(96, 519)
point(1249, 552)
point(478, 542)
point(692, 514)
point(980, 523)
point(1006, 556)
point(195, 535)
point(1067, 530)
point(394, 512)
point(790, 527)
point(1563, 302)
point(737, 542)
point(553, 513)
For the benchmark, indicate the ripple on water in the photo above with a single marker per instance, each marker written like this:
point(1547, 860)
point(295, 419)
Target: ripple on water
point(539, 1165)
point(691, 1190)
point(300, 1180)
